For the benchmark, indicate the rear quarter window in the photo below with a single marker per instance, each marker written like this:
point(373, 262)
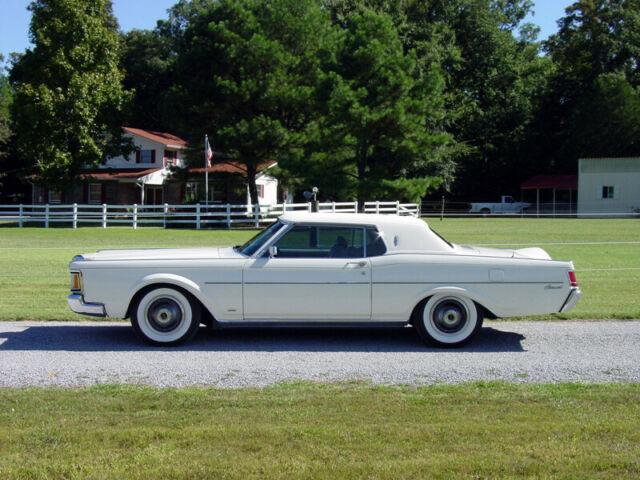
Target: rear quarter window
point(375, 244)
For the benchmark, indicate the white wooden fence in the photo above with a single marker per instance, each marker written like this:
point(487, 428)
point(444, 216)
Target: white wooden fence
point(197, 215)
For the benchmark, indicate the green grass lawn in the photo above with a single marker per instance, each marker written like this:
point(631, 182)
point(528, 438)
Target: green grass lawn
point(480, 430)
point(34, 277)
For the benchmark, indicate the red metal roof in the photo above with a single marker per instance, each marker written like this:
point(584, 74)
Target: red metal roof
point(160, 137)
point(551, 181)
point(115, 174)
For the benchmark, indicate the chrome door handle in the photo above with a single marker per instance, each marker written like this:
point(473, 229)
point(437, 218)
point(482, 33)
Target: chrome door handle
point(356, 264)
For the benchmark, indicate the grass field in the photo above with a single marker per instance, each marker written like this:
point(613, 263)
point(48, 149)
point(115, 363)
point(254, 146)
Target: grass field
point(344, 431)
point(34, 277)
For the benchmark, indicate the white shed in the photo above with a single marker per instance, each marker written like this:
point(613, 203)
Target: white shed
point(608, 186)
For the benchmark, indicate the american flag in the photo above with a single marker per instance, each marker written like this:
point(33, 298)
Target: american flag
point(208, 153)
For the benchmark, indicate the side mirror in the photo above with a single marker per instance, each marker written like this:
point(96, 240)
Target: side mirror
point(273, 251)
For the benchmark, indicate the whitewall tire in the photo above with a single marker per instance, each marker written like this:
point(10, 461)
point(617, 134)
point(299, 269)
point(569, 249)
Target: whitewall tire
point(447, 320)
point(165, 316)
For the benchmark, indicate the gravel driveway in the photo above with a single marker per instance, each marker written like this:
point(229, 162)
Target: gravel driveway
point(88, 353)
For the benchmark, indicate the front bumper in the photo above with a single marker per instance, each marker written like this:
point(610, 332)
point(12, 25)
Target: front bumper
point(572, 299)
point(77, 304)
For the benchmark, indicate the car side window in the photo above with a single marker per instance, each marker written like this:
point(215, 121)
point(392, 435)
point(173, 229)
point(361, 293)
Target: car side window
point(322, 242)
point(375, 244)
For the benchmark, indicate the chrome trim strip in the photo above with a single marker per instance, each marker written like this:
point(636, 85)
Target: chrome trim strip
point(77, 304)
point(310, 324)
point(572, 299)
point(307, 283)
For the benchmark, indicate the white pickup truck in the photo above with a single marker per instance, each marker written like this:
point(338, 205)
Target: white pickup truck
point(507, 206)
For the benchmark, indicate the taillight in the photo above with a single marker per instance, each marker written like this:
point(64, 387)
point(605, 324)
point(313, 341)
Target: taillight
point(572, 279)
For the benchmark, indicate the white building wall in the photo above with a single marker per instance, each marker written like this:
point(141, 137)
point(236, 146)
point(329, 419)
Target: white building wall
point(270, 190)
point(143, 143)
point(623, 174)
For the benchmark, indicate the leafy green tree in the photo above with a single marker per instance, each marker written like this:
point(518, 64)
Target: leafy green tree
point(148, 62)
point(69, 97)
point(493, 78)
point(6, 97)
point(591, 106)
point(607, 123)
point(497, 84)
point(245, 73)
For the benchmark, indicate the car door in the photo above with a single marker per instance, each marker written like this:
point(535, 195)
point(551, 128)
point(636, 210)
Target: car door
point(318, 274)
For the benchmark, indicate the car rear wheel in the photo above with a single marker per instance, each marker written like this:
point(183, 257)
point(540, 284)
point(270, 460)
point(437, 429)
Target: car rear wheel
point(165, 316)
point(447, 320)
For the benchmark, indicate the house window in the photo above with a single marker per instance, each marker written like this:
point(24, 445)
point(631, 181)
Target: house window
point(260, 191)
point(608, 191)
point(55, 196)
point(95, 193)
point(145, 156)
point(170, 157)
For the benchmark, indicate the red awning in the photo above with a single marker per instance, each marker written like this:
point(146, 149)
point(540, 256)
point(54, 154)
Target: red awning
point(229, 167)
point(560, 182)
point(115, 174)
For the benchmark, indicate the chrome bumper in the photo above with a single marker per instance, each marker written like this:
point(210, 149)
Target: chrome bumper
point(572, 299)
point(76, 303)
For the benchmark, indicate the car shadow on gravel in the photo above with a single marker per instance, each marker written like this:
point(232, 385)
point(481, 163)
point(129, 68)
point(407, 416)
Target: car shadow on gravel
point(121, 338)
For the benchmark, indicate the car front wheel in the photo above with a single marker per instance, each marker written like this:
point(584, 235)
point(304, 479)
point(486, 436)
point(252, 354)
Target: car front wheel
point(447, 320)
point(165, 316)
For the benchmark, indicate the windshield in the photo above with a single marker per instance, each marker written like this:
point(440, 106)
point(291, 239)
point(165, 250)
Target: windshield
point(254, 243)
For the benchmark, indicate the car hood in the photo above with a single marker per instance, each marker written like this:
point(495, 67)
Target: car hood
point(532, 252)
point(162, 254)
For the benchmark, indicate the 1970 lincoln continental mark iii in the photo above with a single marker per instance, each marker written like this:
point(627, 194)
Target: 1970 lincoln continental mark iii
point(323, 269)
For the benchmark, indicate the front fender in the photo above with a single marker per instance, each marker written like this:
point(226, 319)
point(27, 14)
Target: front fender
point(166, 279)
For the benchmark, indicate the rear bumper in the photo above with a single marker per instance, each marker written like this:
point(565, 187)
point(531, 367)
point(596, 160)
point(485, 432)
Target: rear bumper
point(77, 304)
point(572, 299)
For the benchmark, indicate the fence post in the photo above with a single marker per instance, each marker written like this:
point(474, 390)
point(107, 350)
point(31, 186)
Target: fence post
point(377, 206)
point(397, 207)
point(164, 217)
point(198, 216)
point(228, 215)
point(75, 215)
point(135, 216)
point(46, 216)
point(104, 215)
point(442, 209)
point(20, 217)
point(333, 207)
point(284, 206)
point(355, 206)
point(256, 213)
point(309, 207)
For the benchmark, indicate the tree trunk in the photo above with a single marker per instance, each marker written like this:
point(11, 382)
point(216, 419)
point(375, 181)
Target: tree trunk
point(251, 180)
point(361, 162)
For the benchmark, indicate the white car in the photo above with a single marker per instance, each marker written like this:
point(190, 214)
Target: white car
point(323, 269)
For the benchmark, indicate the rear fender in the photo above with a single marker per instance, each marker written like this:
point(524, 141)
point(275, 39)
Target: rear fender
point(483, 301)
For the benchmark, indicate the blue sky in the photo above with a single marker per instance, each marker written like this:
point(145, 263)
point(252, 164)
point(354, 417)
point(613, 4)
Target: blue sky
point(14, 18)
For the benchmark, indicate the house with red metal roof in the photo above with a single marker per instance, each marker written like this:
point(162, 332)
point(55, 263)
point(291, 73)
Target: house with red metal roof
point(148, 177)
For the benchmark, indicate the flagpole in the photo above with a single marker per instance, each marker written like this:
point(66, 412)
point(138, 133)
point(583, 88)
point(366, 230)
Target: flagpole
point(206, 169)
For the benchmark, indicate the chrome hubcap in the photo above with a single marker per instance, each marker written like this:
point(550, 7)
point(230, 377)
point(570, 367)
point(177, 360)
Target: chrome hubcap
point(164, 314)
point(449, 316)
